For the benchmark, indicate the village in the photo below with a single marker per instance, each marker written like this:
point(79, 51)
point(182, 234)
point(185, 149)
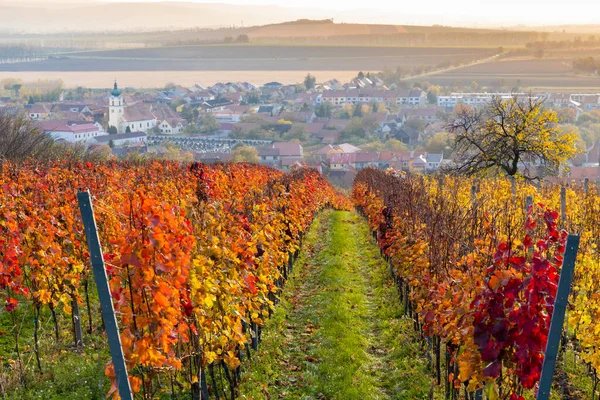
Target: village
point(337, 128)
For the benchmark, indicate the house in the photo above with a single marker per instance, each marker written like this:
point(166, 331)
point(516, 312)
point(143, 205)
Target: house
point(328, 136)
point(409, 161)
point(269, 156)
point(590, 102)
point(38, 111)
point(426, 114)
point(341, 161)
point(203, 96)
point(380, 117)
point(434, 161)
point(71, 132)
point(228, 116)
point(419, 163)
point(74, 108)
point(385, 159)
point(309, 98)
point(169, 122)
point(365, 159)
point(171, 126)
point(215, 105)
point(123, 139)
point(325, 152)
point(407, 135)
point(559, 100)
point(266, 109)
point(335, 97)
point(300, 116)
point(289, 149)
point(417, 97)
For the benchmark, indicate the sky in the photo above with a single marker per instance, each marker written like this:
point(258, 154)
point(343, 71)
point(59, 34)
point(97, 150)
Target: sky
point(479, 12)
point(475, 13)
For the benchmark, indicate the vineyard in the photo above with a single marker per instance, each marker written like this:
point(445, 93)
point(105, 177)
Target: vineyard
point(478, 268)
point(195, 254)
point(197, 257)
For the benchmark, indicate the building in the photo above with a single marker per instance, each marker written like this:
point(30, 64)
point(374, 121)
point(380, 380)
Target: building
point(141, 117)
point(434, 161)
point(38, 111)
point(269, 156)
point(289, 149)
point(134, 118)
point(228, 116)
point(425, 114)
point(72, 132)
point(476, 99)
point(123, 139)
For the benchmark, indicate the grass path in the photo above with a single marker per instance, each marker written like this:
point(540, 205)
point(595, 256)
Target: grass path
point(338, 332)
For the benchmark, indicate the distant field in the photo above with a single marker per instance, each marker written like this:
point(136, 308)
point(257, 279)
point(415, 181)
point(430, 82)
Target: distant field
point(158, 79)
point(535, 74)
point(253, 58)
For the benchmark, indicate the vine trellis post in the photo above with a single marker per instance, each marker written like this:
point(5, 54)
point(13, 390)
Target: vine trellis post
point(108, 311)
point(558, 317)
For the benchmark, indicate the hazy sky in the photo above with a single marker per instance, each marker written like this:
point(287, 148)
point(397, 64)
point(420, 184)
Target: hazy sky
point(496, 13)
point(533, 12)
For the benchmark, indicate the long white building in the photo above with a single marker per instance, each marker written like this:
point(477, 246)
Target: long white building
point(474, 99)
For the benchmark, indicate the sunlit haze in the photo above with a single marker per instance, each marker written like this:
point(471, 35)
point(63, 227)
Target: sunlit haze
point(475, 12)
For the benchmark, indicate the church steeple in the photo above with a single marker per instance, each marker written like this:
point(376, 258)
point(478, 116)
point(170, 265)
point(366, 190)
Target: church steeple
point(116, 92)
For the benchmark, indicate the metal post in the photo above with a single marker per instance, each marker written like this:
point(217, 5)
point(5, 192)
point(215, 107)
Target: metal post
point(108, 313)
point(558, 317)
point(563, 206)
point(586, 185)
point(76, 323)
point(528, 203)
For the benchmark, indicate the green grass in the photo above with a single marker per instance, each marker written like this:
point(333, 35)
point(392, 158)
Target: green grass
point(338, 332)
point(67, 373)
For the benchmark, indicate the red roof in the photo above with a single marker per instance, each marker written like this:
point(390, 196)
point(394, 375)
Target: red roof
point(386, 156)
point(364, 157)
point(288, 149)
point(342, 158)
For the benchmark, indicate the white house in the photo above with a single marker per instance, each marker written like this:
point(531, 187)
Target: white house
point(171, 126)
point(477, 99)
point(228, 116)
point(434, 161)
point(85, 132)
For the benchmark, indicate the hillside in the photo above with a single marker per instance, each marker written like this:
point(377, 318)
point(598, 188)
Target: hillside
point(300, 32)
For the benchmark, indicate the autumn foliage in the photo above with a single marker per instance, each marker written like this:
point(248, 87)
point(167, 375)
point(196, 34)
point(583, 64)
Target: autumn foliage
point(195, 253)
point(480, 270)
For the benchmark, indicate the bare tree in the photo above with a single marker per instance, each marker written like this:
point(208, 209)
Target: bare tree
point(507, 135)
point(21, 139)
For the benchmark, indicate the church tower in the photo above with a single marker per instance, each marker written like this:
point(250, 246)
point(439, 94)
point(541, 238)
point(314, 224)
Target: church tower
point(116, 109)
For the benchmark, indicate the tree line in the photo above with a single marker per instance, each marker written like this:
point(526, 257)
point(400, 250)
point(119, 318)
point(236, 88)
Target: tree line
point(587, 65)
point(409, 39)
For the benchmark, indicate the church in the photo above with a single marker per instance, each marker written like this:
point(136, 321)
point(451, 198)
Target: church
point(142, 117)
